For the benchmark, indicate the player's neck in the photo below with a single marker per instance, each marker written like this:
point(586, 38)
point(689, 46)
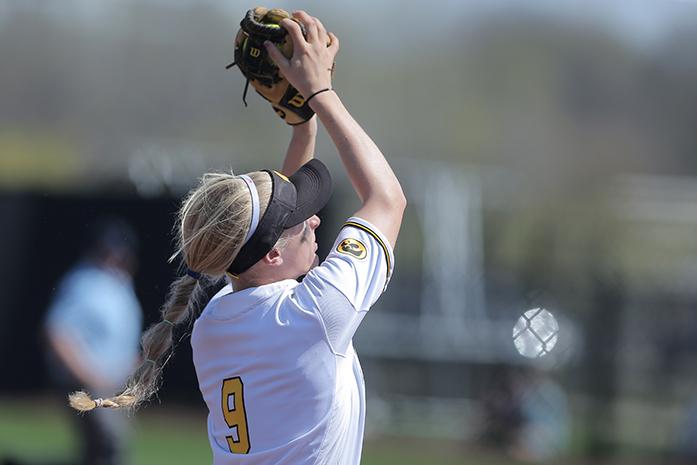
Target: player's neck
point(242, 283)
point(261, 274)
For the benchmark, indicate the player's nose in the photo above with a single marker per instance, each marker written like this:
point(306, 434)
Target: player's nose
point(314, 221)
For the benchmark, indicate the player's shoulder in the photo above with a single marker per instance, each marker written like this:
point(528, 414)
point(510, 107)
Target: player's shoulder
point(360, 241)
point(229, 304)
point(225, 290)
point(359, 266)
point(211, 309)
point(359, 224)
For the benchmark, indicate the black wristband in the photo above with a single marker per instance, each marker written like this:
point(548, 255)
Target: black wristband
point(307, 100)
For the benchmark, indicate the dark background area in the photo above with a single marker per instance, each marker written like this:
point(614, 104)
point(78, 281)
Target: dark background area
point(45, 238)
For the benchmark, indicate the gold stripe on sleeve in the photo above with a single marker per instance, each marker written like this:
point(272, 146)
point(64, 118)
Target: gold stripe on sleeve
point(380, 241)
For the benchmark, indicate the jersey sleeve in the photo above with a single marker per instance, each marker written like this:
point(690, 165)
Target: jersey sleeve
point(359, 265)
point(344, 287)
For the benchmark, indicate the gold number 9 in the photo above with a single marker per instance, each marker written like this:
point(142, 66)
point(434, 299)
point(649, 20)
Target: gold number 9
point(235, 416)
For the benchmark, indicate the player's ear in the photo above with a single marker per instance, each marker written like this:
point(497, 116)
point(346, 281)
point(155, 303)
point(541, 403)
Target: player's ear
point(273, 257)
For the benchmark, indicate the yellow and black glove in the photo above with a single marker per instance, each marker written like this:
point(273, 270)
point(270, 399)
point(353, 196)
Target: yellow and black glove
point(251, 57)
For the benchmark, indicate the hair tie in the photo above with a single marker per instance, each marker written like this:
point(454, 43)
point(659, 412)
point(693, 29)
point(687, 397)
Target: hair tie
point(165, 320)
point(98, 402)
point(194, 274)
point(149, 360)
point(255, 206)
point(327, 89)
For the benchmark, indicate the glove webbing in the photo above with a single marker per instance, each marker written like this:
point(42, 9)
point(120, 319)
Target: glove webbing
point(252, 59)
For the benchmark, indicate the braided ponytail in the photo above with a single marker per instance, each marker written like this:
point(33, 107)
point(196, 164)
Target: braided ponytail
point(157, 343)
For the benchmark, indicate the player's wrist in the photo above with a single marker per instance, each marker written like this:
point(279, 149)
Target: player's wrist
point(316, 93)
point(321, 98)
point(309, 87)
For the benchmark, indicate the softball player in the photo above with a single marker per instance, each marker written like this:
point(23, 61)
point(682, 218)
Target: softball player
point(273, 356)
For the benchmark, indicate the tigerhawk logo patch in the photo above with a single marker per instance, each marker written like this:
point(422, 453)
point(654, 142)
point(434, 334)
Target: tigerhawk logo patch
point(352, 247)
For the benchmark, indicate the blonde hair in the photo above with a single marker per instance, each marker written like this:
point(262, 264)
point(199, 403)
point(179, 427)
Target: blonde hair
point(213, 221)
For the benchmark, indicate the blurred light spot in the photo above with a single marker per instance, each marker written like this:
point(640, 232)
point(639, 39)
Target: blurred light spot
point(536, 333)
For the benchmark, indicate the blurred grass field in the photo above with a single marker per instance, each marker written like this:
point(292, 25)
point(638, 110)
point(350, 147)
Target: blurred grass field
point(37, 429)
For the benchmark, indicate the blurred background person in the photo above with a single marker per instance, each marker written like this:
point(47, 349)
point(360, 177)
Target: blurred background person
point(502, 415)
point(545, 431)
point(525, 414)
point(92, 330)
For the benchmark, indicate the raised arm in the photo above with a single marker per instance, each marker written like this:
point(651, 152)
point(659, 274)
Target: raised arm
point(371, 175)
point(301, 148)
point(309, 70)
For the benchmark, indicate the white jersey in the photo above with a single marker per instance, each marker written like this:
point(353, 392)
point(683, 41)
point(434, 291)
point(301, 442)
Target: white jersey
point(276, 365)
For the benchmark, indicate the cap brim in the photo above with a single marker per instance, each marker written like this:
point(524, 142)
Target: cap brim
point(313, 185)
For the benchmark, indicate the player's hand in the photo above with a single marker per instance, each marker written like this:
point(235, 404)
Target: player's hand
point(310, 68)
